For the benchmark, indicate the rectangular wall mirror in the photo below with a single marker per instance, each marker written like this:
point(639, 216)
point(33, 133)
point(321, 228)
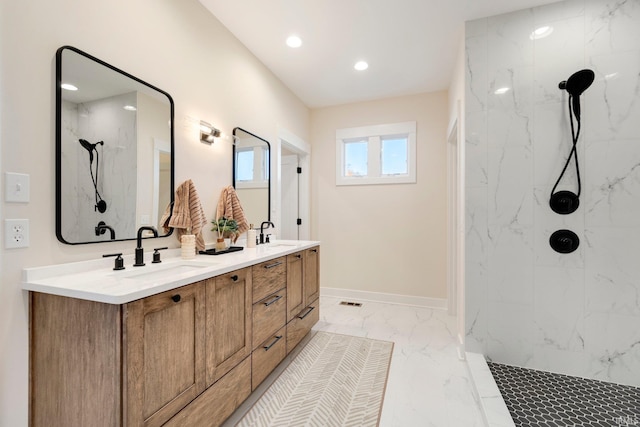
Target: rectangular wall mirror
point(114, 150)
point(252, 175)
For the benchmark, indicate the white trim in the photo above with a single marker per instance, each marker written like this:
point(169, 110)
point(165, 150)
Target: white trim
point(374, 134)
point(251, 184)
point(357, 296)
point(297, 145)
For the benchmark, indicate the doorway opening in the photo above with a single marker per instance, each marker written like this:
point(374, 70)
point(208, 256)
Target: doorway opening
point(294, 188)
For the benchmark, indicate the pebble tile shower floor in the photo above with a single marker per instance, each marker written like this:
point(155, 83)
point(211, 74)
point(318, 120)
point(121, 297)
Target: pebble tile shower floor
point(538, 398)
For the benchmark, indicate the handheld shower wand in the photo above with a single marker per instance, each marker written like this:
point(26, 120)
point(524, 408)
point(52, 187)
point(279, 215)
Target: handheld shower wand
point(101, 205)
point(565, 202)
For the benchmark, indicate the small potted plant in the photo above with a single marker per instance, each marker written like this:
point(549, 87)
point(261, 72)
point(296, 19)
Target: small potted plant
point(227, 228)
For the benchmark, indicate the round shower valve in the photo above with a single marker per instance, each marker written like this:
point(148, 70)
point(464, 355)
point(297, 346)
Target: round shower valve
point(564, 241)
point(564, 202)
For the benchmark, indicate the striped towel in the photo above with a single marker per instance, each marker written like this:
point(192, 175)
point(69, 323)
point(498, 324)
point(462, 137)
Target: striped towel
point(229, 207)
point(187, 216)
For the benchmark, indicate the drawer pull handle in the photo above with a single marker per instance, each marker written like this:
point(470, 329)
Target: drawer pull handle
point(276, 298)
point(176, 298)
point(275, 264)
point(298, 256)
point(234, 277)
point(267, 347)
point(306, 314)
point(314, 251)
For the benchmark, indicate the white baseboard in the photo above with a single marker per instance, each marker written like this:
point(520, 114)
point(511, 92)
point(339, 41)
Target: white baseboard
point(357, 296)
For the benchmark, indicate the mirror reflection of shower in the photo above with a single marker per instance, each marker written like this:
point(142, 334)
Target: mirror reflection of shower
point(565, 202)
point(101, 205)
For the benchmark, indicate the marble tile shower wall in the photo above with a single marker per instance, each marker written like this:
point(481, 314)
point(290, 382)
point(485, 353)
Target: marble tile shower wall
point(526, 304)
point(101, 120)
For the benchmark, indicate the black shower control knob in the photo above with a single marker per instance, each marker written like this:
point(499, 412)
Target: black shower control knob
point(564, 241)
point(564, 202)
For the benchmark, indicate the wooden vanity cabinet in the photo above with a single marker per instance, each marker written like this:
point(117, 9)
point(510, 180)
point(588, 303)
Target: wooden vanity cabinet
point(186, 357)
point(164, 365)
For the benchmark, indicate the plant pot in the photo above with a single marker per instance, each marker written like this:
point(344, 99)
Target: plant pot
point(220, 244)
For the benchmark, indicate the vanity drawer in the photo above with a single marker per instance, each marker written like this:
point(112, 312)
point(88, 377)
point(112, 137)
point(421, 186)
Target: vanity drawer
point(268, 277)
point(217, 402)
point(265, 358)
point(301, 324)
point(269, 315)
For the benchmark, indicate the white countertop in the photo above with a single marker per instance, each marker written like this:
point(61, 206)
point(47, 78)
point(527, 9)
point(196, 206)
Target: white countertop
point(95, 280)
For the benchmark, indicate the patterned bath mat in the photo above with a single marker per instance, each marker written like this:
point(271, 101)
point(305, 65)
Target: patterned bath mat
point(336, 380)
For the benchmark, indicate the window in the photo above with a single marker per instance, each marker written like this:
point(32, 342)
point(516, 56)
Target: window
point(381, 154)
point(252, 167)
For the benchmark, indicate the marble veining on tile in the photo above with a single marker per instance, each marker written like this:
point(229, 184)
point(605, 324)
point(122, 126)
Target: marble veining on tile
point(525, 303)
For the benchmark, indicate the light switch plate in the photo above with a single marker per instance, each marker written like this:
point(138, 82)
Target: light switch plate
point(16, 187)
point(16, 233)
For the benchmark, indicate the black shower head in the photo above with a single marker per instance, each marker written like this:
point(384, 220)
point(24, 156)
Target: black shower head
point(578, 82)
point(576, 85)
point(89, 147)
point(86, 144)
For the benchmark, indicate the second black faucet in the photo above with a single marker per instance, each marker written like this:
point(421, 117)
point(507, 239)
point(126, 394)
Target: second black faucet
point(139, 250)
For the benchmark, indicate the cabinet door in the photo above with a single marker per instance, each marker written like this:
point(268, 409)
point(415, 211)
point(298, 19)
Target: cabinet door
point(311, 275)
point(295, 293)
point(228, 328)
point(164, 354)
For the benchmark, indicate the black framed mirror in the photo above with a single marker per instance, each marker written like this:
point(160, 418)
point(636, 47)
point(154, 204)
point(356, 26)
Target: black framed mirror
point(114, 151)
point(252, 175)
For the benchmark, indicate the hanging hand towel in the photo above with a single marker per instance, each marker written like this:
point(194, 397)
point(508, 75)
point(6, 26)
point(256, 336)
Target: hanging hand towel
point(187, 216)
point(229, 207)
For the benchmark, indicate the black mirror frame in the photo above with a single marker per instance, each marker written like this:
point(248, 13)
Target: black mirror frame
point(233, 172)
point(58, 83)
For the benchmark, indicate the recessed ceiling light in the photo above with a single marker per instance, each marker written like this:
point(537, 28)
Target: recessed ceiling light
point(361, 66)
point(68, 86)
point(501, 90)
point(541, 32)
point(129, 108)
point(294, 41)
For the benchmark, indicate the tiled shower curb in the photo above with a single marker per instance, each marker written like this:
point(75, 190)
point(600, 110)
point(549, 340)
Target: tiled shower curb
point(486, 393)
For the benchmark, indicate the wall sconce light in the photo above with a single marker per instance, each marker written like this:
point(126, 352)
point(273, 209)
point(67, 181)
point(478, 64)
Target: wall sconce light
point(208, 132)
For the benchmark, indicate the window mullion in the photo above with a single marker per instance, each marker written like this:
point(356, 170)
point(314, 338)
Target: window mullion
point(374, 158)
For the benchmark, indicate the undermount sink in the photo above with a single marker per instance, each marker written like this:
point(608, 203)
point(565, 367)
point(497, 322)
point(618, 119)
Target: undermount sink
point(152, 272)
point(281, 245)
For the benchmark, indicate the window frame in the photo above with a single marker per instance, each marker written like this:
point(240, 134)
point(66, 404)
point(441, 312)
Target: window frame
point(374, 134)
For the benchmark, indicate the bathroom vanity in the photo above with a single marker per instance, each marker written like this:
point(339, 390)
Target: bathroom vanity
point(179, 343)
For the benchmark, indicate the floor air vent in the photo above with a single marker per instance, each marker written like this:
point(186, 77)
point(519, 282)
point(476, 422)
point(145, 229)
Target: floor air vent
point(351, 303)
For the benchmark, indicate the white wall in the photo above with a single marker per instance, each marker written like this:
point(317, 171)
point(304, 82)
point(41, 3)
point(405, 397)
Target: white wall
point(175, 45)
point(383, 238)
point(527, 305)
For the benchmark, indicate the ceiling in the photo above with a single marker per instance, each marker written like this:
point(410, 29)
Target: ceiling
point(410, 45)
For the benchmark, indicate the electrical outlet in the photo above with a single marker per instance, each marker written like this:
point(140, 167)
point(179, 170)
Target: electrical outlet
point(16, 233)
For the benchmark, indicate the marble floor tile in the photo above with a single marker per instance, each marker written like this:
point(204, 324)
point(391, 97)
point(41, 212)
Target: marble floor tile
point(428, 385)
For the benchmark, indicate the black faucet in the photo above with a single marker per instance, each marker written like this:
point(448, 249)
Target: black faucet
point(102, 227)
point(269, 224)
point(139, 249)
